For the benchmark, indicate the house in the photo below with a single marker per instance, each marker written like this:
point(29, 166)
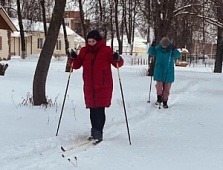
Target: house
point(6, 28)
point(182, 61)
point(73, 20)
point(35, 36)
point(139, 45)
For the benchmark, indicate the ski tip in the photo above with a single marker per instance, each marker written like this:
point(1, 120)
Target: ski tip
point(63, 155)
point(62, 149)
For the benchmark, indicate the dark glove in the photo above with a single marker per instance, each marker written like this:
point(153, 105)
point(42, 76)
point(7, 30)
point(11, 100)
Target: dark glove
point(116, 57)
point(71, 54)
point(174, 47)
point(153, 43)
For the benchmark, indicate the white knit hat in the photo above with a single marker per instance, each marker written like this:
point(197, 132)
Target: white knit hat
point(165, 41)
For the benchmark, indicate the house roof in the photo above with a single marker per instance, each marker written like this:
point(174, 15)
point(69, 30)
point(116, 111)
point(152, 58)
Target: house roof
point(183, 51)
point(6, 23)
point(31, 26)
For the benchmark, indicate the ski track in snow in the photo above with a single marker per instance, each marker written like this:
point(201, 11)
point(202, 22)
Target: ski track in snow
point(43, 157)
point(47, 148)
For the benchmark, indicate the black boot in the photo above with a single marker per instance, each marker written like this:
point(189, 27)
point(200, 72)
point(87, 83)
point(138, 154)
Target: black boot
point(159, 99)
point(165, 104)
point(98, 136)
point(92, 134)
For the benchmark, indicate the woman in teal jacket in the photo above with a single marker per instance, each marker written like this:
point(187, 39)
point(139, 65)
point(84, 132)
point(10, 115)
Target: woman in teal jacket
point(165, 53)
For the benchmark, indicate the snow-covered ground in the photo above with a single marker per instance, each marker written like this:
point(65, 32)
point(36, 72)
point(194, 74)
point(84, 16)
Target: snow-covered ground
point(187, 136)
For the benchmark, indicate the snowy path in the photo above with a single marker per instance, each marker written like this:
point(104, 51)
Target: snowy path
point(186, 136)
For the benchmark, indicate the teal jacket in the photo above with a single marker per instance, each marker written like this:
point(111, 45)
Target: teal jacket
point(164, 62)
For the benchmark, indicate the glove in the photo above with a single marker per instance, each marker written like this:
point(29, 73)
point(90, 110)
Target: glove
point(116, 57)
point(153, 43)
point(173, 47)
point(71, 54)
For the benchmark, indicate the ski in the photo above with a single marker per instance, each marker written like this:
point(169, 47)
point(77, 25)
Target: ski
point(82, 146)
point(75, 147)
point(68, 153)
point(71, 150)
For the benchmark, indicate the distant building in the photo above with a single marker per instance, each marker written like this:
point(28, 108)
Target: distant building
point(73, 21)
point(139, 45)
point(6, 28)
point(35, 37)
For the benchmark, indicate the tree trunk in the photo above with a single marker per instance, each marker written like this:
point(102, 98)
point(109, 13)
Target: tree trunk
point(219, 52)
point(117, 27)
point(22, 36)
point(39, 82)
point(42, 2)
point(82, 18)
point(9, 44)
point(68, 68)
point(163, 13)
point(111, 24)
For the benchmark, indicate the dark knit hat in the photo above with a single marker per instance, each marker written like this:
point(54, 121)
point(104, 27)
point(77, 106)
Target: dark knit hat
point(94, 34)
point(165, 41)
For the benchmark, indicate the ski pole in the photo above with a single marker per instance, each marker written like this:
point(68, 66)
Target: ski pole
point(150, 87)
point(68, 81)
point(126, 119)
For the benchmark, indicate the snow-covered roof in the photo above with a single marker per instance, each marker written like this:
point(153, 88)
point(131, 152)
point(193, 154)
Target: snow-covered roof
point(78, 38)
point(183, 50)
point(17, 34)
point(31, 26)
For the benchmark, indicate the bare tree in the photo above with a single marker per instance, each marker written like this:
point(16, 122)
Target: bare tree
point(39, 82)
point(42, 3)
point(102, 21)
point(82, 18)
point(144, 16)
point(68, 67)
point(111, 22)
point(219, 52)
point(129, 17)
point(118, 35)
point(22, 36)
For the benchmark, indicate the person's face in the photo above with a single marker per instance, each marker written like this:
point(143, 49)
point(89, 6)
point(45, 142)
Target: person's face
point(91, 41)
point(163, 46)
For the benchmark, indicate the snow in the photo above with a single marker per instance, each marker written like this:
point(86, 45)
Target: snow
point(187, 136)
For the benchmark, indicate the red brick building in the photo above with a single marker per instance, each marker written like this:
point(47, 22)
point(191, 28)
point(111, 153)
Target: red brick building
point(73, 20)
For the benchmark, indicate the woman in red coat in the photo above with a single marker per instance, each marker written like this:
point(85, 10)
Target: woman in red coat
point(96, 59)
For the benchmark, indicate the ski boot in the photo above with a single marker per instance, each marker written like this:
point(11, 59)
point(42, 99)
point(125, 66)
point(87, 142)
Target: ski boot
point(165, 104)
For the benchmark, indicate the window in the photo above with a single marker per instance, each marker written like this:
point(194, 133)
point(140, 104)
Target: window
point(67, 24)
point(40, 43)
point(58, 45)
point(0, 43)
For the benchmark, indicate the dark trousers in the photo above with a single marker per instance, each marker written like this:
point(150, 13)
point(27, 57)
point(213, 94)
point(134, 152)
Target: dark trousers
point(97, 116)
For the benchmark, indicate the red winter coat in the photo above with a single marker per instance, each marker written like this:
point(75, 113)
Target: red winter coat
point(97, 75)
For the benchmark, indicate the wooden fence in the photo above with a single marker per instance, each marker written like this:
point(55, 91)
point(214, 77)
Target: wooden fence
point(139, 61)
